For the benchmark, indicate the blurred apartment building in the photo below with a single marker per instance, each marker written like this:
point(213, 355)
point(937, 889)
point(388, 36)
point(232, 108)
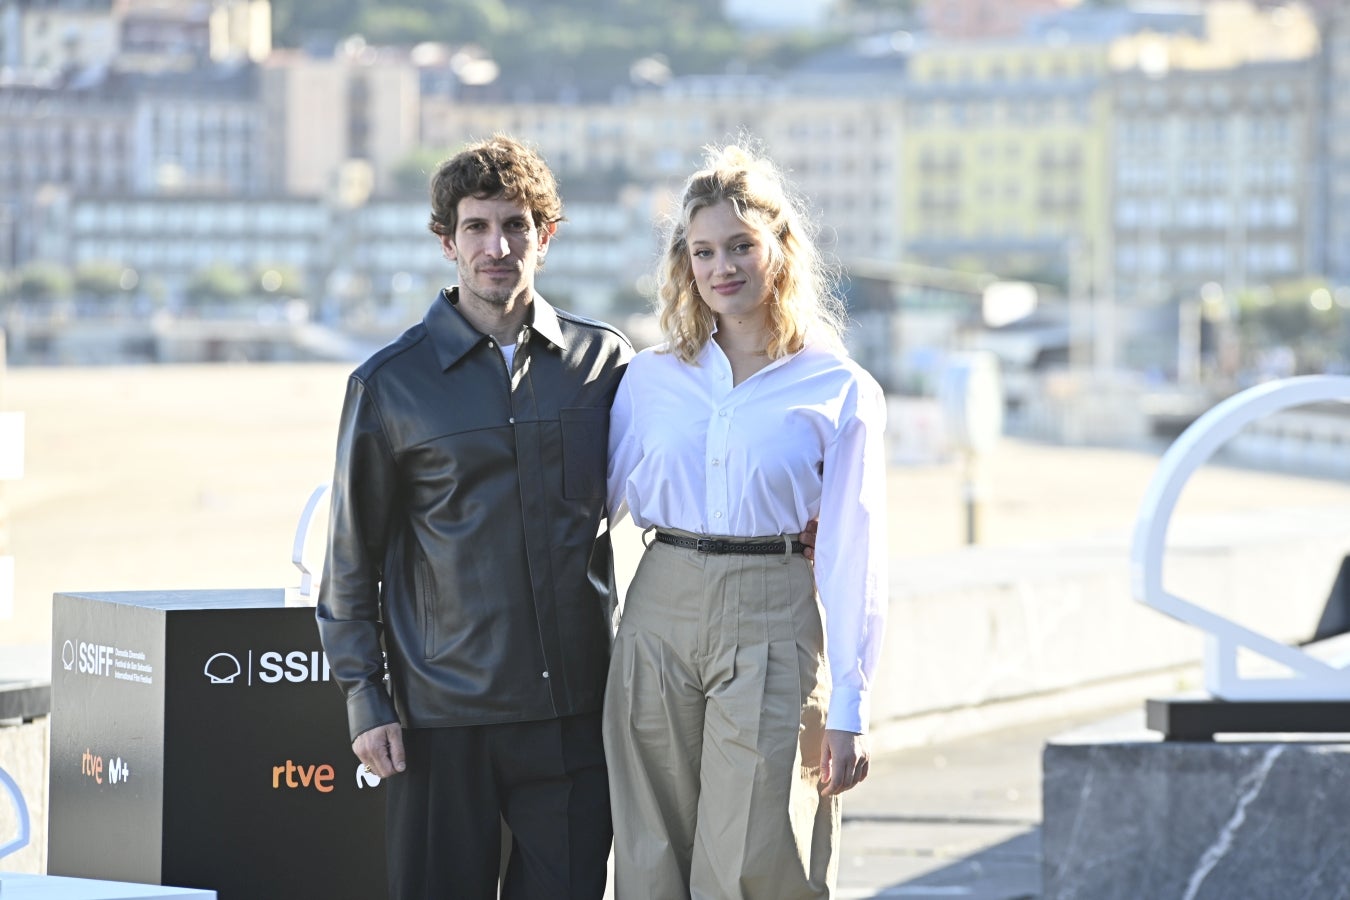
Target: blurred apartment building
point(1135, 153)
point(965, 20)
point(1332, 252)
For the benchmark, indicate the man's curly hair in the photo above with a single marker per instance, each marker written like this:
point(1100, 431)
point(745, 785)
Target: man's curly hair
point(498, 167)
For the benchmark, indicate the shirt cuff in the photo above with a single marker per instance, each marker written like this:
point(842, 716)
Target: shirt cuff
point(849, 711)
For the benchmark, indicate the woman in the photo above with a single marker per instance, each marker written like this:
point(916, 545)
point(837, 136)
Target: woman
point(732, 723)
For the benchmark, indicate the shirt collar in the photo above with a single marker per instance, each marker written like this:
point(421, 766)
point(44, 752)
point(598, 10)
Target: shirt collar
point(545, 322)
point(453, 336)
point(709, 348)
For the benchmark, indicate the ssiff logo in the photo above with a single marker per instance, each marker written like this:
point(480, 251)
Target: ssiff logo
point(93, 659)
point(274, 666)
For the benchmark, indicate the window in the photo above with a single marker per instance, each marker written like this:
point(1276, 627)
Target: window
point(1127, 257)
point(1128, 213)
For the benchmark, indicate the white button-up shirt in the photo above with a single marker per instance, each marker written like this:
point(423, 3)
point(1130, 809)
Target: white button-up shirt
point(800, 439)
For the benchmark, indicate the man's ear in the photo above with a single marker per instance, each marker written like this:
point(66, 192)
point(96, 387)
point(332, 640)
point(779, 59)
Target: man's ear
point(447, 246)
point(546, 232)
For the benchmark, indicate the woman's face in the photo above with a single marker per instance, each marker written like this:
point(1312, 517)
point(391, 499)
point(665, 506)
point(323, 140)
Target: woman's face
point(731, 262)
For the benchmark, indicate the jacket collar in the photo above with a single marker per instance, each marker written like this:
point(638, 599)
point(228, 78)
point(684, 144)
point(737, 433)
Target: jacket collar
point(453, 336)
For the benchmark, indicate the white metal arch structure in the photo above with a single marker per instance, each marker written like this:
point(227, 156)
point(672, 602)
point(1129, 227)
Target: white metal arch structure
point(19, 841)
point(1310, 679)
point(298, 545)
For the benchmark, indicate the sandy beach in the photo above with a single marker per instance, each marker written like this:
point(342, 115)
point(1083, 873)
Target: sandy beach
point(193, 477)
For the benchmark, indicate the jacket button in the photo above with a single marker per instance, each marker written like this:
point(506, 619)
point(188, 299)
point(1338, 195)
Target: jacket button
point(545, 674)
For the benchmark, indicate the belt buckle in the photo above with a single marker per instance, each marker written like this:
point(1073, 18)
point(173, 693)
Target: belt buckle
point(705, 545)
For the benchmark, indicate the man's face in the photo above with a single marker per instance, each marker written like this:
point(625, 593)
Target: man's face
point(497, 248)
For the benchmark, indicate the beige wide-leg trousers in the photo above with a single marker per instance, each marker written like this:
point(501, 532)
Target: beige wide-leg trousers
point(714, 717)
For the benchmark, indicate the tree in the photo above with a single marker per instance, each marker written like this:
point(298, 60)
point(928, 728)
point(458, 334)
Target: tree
point(39, 281)
point(412, 175)
point(536, 43)
point(1300, 315)
point(103, 280)
point(396, 25)
point(219, 283)
point(276, 281)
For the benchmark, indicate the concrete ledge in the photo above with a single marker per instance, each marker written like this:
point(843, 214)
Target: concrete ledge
point(983, 627)
point(1134, 817)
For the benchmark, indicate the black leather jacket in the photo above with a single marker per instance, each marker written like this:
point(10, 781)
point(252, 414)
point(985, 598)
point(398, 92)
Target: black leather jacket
point(462, 538)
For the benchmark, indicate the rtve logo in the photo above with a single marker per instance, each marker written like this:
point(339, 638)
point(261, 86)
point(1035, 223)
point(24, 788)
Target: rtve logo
point(91, 766)
point(272, 667)
point(293, 776)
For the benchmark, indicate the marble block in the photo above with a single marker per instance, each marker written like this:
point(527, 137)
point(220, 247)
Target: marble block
point(1148, 820)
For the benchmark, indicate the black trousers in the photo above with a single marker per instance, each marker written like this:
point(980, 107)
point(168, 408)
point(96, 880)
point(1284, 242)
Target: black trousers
point(547, 780)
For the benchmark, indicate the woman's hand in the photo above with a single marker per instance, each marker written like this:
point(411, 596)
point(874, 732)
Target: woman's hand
point(843, 761)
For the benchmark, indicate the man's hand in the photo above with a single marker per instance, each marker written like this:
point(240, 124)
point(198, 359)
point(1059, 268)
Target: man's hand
point(381, 749)
point(808, 539)
point(844, 761)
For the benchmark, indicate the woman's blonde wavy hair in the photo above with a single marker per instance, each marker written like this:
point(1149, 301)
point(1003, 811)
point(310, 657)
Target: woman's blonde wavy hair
point(802, 299)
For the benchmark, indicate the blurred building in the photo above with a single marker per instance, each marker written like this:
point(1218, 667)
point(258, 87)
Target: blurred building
point(1333, 108)
point(326, 117)
point(199, 131)
point(1213, 178)
point(57, 34)
point(158, 35)
point(143, 35)
point(834, 127)
point(76, 136)
point(174, 237)
point(1005, 156)
point(1131, 154)
point(961, 20)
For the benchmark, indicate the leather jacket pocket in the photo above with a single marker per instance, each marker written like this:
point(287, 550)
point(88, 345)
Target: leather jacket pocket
point(585, 450)
point(422, 591)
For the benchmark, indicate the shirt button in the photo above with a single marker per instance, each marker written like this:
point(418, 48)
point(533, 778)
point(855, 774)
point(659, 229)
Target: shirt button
point(490, 344)
point(722, 413)
point(716, 462)
point(512, 420)
point(717, 515)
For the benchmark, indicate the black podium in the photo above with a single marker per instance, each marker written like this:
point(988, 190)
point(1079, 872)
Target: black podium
point(198, 740)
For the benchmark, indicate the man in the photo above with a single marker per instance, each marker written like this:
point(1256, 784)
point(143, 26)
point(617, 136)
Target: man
point(467, 498)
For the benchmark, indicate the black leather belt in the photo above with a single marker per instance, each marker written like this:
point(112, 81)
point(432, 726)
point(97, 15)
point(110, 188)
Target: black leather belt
point(722, 545)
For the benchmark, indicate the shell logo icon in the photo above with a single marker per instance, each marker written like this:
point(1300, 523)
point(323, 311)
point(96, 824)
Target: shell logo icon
point(223, 668)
